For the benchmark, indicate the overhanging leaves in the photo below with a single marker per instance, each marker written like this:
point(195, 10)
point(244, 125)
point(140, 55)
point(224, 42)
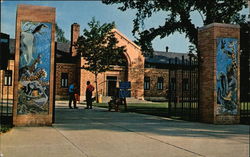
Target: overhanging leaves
point(177, 16)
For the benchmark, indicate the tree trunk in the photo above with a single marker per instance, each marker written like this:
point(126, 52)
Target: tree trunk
point(97, 100)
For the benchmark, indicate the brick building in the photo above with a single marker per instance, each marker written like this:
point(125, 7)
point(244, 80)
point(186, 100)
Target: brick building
point(149, 76)
point(156, 75)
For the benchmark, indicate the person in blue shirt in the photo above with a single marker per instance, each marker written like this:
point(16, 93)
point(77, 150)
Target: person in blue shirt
point(72, 89)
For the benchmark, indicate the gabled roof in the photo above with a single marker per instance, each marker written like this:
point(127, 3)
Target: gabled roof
point(128, 40)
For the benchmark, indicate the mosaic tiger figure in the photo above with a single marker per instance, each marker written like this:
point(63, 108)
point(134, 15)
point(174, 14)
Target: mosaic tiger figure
point(39, 74)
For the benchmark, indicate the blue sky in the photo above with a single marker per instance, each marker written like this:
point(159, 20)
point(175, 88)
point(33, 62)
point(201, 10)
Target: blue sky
point(81, 12)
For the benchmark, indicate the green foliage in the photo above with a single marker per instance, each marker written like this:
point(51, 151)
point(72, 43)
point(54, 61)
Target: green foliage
point(244, 37)
point(178, 16)
point(98, 46)
point(60, 35)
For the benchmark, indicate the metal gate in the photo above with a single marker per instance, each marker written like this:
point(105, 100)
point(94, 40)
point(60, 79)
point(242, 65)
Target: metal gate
point(245, 88)
point(6, 101)
point(245, 74)
point(184, 88)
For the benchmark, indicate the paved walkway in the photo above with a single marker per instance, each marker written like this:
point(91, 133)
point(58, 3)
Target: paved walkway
point(98, 133)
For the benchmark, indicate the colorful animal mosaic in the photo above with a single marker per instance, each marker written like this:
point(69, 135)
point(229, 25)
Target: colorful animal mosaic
point(227, 75)
point(34, 68)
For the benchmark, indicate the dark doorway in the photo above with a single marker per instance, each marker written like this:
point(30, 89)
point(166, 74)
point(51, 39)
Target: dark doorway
point(111, 84)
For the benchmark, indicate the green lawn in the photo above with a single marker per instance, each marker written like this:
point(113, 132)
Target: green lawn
point(161, 109)
point(245, 106)
point(157, 109)
point(137, 105)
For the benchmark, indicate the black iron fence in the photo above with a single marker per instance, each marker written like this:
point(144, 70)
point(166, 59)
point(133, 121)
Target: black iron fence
point(183, 92)
point(245, 87)
point(6, 101)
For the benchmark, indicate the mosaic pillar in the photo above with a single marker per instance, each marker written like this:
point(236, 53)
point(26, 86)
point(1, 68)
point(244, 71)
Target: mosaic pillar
point(34, 65)
point(218, 45)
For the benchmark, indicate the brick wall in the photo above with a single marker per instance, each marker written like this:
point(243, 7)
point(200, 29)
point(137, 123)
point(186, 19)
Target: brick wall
point(134, 74)
point(119, 72)
point(135, 65)
point(70, 69)
point(207, 38)
point(153, 74)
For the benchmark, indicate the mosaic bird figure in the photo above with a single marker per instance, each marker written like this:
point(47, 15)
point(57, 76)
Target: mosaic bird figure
point(27, 43)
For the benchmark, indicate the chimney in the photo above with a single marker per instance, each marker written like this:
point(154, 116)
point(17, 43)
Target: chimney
point(75, 32)
point(166, 48)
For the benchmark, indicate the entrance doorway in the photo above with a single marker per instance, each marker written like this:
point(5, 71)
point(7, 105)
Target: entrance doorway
point(111, 84)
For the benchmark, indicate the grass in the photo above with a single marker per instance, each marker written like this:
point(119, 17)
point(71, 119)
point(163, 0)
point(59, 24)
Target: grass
point(5, 128)
point(158, 109)
point(137, 105)
point(161, 109)
point(245, 106)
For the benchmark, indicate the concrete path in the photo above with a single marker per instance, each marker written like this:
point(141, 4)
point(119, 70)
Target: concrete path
point(99, 133)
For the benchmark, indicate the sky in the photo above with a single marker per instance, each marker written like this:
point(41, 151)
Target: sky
point(81, 12)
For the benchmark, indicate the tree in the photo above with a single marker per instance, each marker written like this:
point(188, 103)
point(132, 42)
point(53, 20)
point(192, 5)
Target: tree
point(178, 16)
point(60, 35)
point(98, 46)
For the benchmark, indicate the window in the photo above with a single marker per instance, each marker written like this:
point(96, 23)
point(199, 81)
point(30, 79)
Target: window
point(160, 83)
point(185, 84)
point(147, 83)
point(173, 84)
point(64, 80)
point(8, 78)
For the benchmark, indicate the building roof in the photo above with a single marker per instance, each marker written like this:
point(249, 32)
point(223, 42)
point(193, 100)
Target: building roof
point(12, 46)
point(64, 47)
point(161, 57)
point(63, 54)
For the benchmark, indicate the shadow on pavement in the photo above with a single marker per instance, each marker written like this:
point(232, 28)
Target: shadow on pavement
point(101, 119)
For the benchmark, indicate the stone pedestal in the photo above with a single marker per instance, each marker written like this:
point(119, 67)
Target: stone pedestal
point(34, 65)
point(218, 45)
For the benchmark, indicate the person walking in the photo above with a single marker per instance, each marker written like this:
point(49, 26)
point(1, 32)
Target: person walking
point(89, 91)
point(72, 89)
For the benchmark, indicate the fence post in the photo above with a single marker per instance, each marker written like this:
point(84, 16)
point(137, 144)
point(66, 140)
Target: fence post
point(182, 83)
point(218, 45)
point(170, 87)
